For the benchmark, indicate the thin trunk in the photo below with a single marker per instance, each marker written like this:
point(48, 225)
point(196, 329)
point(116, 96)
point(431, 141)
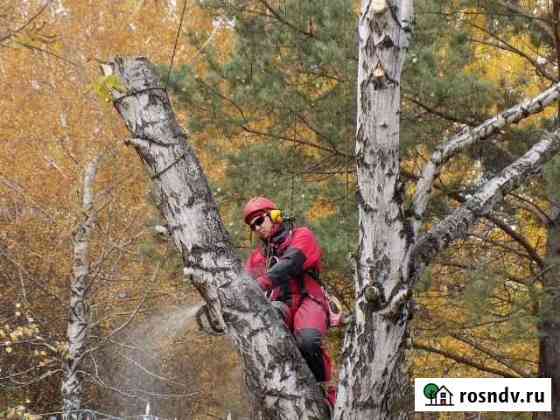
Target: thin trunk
point(78, 323)
point(549, 319)
point(556, 20)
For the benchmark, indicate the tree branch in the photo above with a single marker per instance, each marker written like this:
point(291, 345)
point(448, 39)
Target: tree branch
point(463, 360)
point(245, 126)
point(407, 15)
point(497, 357)
point(432, 110)
point(534, 209)
point(467, 138)
point(10, 33)
point(131, 316)
point(456, 225)
point(541, 23)
point(518, 238)
point(505, 46)
point(284, 21)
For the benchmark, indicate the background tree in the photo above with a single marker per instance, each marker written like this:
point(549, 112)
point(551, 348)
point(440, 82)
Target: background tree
point(55, 122)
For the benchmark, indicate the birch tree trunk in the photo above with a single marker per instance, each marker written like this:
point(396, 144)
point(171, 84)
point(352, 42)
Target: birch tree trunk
point(373, 385)
point(78, 323)
point(390, 257)
point(277, 377)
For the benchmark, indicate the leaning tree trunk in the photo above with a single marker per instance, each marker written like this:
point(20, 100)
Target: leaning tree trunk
point(373, 384)
point(277, 377)
point(78, 323)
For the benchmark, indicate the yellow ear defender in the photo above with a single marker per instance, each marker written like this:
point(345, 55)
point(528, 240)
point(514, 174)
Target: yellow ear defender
point(276, 216)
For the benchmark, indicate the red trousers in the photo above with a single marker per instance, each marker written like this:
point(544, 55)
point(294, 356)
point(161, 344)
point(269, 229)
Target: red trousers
point(308, 322)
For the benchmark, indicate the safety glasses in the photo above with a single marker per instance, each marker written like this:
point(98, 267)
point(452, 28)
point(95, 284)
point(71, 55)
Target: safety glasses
point(257, 222)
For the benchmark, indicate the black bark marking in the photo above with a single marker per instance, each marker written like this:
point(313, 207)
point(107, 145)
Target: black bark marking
point(386, 42)
point(365, 103)
point(362, 203)
point(370, 47)
point(370, 353)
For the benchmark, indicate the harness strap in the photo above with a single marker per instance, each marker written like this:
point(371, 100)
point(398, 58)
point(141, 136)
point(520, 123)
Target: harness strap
point(314, 274)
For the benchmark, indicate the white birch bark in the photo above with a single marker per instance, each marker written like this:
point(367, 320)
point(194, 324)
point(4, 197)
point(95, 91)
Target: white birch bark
point(373, 385)
point(278, 378)
point(78, 323)
point(467, 138)
point(457, 224)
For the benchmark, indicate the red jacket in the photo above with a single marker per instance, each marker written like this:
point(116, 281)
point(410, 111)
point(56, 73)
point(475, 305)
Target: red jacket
point(292, 256)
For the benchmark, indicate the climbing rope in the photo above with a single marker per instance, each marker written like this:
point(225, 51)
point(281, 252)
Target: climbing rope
point(176, 42)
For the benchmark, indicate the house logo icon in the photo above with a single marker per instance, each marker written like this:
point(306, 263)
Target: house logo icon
point(438, 396)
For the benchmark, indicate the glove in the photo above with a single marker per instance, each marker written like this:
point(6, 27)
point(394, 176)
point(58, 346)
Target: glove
point(265, 282)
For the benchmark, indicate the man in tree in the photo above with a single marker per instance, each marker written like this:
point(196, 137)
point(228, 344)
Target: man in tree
point(286, 266)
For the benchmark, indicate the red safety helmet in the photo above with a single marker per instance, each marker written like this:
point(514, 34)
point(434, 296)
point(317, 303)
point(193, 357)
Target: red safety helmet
point(257, 205)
